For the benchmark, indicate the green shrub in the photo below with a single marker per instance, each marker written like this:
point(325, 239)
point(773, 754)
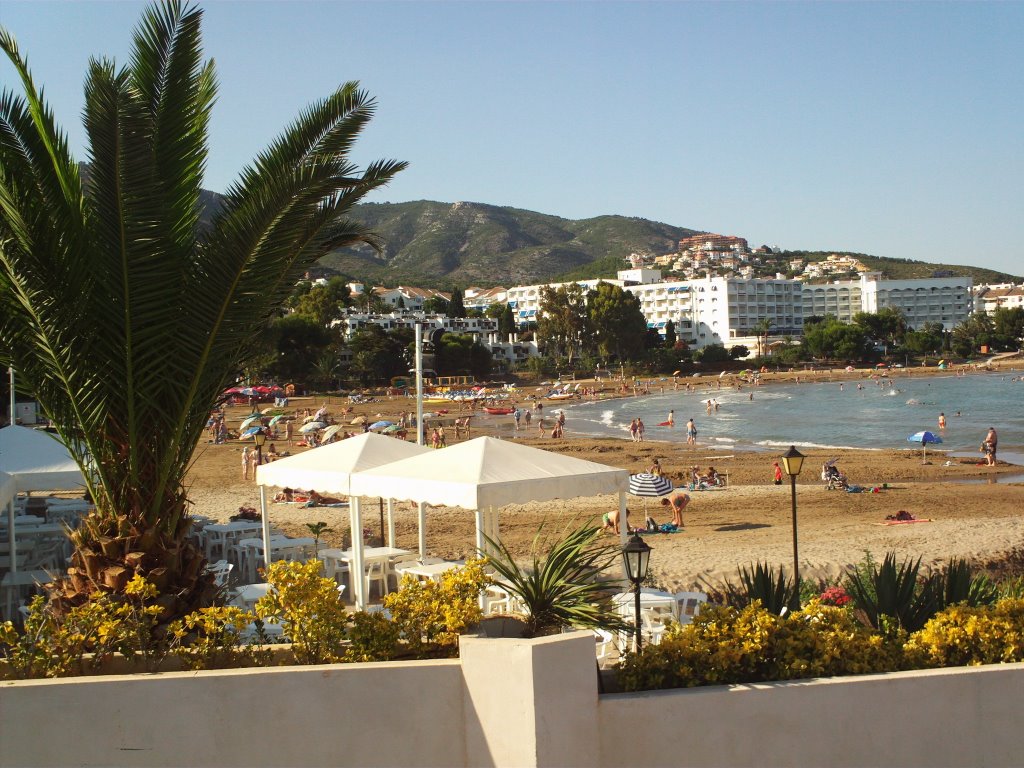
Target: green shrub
point(966, 635)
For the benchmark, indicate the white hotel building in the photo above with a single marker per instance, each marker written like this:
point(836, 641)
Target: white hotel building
point(945, 300)
point(727, 310)
point(712, 310)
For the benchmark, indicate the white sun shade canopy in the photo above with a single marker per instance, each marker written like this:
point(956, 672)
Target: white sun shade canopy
point(37, 461)
point(327, 469)
point(487, 472)
point(8, 489)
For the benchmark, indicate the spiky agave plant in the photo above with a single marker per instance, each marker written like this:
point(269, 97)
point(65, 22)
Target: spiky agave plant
point(561, 588)
point(122, 314)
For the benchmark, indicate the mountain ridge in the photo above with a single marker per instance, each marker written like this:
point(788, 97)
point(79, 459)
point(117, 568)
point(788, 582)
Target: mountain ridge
point(437, 244)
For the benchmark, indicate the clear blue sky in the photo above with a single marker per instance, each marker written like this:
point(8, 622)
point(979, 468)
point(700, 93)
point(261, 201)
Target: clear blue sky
point(894, 129)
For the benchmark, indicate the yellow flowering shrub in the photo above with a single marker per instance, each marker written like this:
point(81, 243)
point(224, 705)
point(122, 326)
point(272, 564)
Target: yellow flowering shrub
point(431, 615)
point(49, 646)
point(963, 636)
point(726, 645)
point(309, 609)
point(211, 638)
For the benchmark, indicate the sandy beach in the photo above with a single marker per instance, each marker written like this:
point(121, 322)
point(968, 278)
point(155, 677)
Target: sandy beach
point(973, 513)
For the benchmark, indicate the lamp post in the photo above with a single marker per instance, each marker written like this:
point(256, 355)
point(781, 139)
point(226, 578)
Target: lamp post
point(636, 556)
point(792, 463)
point(260, 438)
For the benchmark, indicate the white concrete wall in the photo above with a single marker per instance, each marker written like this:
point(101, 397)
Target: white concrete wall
point(509, 703)
point(404, 713)
point(967, 716)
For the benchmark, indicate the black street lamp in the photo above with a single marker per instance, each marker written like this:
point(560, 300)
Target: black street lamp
point(636, 555)
point(792, 463)
point(260, 438)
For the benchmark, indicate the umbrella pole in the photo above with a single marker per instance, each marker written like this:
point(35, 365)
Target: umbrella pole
point(380, 502)
point(623, 527)
point(391, 523)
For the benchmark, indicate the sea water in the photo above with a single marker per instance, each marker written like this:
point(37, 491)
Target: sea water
point(824, 414)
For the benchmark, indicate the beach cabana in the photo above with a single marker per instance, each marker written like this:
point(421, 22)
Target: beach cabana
point(36, 461)
point(328, 470)
point(486, 474)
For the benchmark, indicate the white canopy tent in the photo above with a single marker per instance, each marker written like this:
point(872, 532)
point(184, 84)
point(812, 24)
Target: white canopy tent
point(486, 474)
point(328, 470)
point(36, 461)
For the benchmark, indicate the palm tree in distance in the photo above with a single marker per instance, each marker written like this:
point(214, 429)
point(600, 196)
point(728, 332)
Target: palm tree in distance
point(122, 314)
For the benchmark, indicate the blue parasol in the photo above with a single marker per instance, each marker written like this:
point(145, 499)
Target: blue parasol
point(924, 437)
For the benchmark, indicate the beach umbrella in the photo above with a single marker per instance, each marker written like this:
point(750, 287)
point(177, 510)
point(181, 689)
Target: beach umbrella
point(249, 433)
point(250, 421)
point(276, 419)
point(649, 486)
point(722, 374)
point(330, 432)
point(924, 438)
point(391, 430)
point(850, 369)
point(381, 424)
point(676, 373)
point(312, 426)
point(358, 420)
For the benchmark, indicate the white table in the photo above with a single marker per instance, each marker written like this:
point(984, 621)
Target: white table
point(430, 571)
point(223, 536)
point(245, 596)
point(655, 608)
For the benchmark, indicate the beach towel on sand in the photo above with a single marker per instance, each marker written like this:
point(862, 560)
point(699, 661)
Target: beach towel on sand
point(906, 522)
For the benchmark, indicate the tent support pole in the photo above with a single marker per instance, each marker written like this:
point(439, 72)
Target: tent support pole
point(356, 571)
point(421, 521)
point(480, 531)
point(391, 523)
point(495, 534)
point(12, 537)
point(623, 525)
point(265, 519)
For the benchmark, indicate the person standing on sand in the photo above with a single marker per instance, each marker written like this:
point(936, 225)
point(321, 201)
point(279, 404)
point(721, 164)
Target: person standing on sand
point(245, 462)
point(691, 432)
point(776, 473)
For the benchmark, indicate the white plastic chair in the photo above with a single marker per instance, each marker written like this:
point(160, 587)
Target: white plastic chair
point(221, 571)
point(688, 605)
point(377, 571)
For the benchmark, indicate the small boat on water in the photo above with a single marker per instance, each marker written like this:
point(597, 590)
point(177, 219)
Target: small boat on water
point(497, 411)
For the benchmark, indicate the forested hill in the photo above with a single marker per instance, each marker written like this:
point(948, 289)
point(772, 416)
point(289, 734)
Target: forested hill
point(441, 244)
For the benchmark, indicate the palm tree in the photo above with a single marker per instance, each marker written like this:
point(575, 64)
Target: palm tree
point(123, 313)
point(762, 329)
